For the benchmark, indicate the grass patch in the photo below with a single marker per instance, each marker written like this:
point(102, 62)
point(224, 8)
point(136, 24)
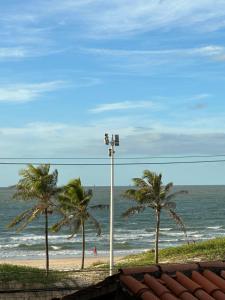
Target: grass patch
point(29, 275)
point(98, 263)
point(208, 250)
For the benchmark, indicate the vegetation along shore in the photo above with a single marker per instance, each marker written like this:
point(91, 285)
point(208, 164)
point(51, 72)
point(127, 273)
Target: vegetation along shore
point(201, 251)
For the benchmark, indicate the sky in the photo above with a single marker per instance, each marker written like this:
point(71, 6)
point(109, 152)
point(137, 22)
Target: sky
point(151, 71)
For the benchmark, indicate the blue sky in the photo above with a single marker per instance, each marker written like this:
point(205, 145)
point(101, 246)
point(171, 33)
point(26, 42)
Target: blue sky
point(152, 71)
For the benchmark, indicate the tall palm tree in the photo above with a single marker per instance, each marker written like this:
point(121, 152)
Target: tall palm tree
point(150, 193)
point(74, 204)
point(37, 184)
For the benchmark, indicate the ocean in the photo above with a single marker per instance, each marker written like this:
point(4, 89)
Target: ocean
point(202, 210)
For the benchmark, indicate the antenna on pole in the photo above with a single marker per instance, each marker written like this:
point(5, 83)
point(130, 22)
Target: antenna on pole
point(106, 139)
point(113, 142)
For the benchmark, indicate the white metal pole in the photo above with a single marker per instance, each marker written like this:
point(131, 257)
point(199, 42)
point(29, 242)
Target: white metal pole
point(111, 208)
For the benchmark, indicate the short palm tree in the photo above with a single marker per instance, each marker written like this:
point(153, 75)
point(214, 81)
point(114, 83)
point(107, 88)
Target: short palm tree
point(150, 193)
point(41, 186)
point(74, 205)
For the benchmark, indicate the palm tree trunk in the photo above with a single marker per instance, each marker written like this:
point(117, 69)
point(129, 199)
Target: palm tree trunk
point(157, 236)
point(46, 241)
point(83, 245)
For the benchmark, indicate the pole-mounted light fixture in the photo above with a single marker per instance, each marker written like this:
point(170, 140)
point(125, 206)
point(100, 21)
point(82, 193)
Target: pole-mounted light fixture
point(113, 142)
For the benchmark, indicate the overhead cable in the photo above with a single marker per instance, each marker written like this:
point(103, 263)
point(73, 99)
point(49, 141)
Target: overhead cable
point(118, 158)
point(118, 164)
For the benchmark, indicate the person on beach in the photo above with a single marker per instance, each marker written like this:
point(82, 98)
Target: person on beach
point(95, 250)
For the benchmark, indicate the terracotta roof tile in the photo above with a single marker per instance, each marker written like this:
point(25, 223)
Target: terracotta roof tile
point(135, 286)
point(179, 290)
point(176, 281)
point(192, 286)
point(138, 289)
point(178, 267)
point(212, 264)
point(208, 286)
point(218, 281)
point(137, 270)
point(159, 289)
point(222, 274)
point(149, 296)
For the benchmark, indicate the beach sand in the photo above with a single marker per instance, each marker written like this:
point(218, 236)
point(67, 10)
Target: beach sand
point(59, 263)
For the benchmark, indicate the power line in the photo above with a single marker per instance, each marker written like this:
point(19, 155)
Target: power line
point(118, 158)
point(118, 164)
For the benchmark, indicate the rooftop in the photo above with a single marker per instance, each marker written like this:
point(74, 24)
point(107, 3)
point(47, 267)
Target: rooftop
point(203, 280)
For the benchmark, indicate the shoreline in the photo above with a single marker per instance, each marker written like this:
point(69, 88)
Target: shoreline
point(61, 264)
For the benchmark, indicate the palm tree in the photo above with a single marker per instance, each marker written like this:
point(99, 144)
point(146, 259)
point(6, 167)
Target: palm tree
point(74, 204)
point(39, 185)
point(150, 193)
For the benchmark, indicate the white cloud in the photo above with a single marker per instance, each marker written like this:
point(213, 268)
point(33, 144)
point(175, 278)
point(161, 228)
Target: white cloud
point(87, 82)
point(131, 16)
point(200, 96)
point(106, 19)
point(149, 135)
point(37, 30)
point(49, 139)
point(21, 93)
point(213, 51)
point(125, 105)
point(18, 53)
point(210, 50)
point(14, 52)
point(33, 129)
point(148, 61)
point(64, 140)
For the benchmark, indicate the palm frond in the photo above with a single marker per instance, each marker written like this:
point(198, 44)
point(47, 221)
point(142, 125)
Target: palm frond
point(54, 178)
point(130, 194)
point(76, 186)
point(147, 174)
point(139, 182)
point(141, 195)
point(96, 224)
point(66, 203)
point(75, 227)
point(171, 196)
point(89, 192)
point(56, 227)
point(100, 206)
point(24, 218)
point(169, 205)
point(168, 187)
point(74, 203)
point(33, 215)
point(178, 221)
point(152, 177)
point(36, 183)
point(20, 218)
point(42, 169)
point(133, 210)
